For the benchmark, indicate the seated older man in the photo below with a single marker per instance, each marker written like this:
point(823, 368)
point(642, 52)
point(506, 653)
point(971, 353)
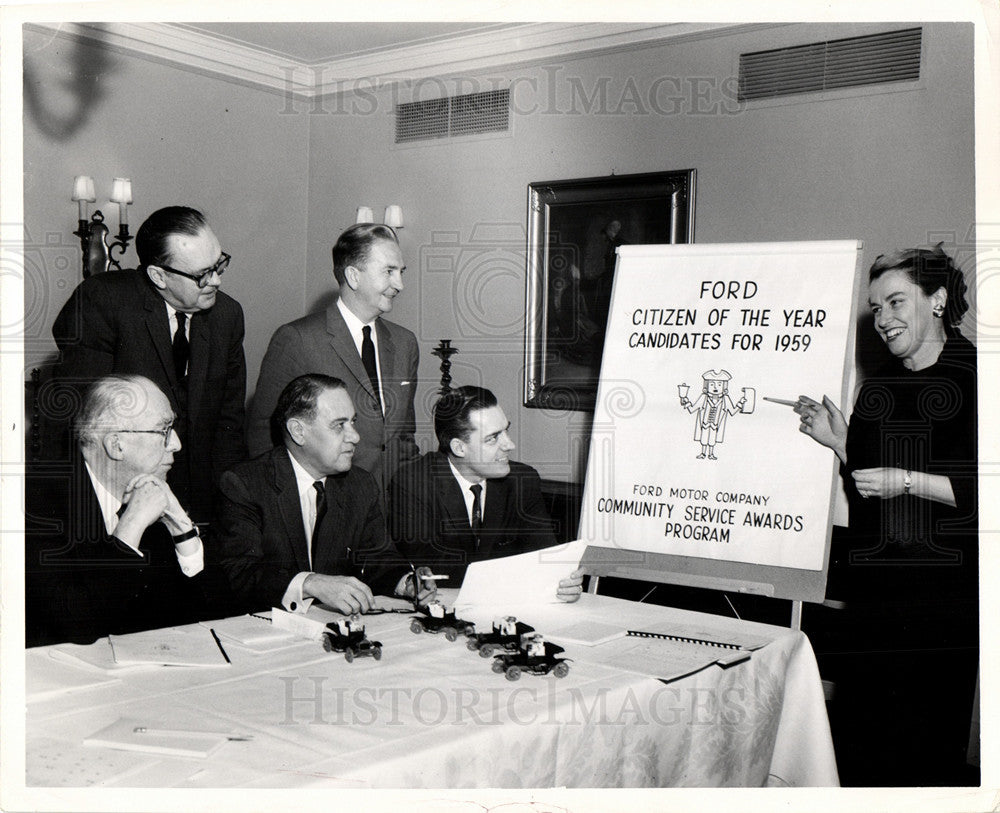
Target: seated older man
point(109, 549)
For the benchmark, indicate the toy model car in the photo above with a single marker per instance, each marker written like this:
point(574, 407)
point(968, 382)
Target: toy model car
point(437, 618)
point(348, 636)
point(506, 635)
point(535, 655)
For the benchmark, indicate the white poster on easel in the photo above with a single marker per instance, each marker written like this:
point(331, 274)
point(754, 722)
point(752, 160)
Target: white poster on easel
point(695, 449)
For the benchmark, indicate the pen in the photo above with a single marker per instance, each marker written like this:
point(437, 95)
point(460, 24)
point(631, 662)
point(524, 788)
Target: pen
point(781, 401)
point(222, 649)
point(173, 732)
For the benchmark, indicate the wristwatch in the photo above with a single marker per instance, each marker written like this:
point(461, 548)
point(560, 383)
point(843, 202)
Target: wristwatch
point(907, 481)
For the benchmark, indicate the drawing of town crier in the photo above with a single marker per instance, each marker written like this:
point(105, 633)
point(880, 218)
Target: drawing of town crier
point(713, 406)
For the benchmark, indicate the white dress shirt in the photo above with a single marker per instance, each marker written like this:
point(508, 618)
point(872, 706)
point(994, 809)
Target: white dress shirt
point(293, 600)
point(466, 486)
point(355, 325)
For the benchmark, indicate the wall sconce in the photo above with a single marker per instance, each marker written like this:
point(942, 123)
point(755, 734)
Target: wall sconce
point(93, 233)
point(393, 216)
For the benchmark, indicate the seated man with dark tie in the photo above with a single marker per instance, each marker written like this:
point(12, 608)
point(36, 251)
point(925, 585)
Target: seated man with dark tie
point(469, 501)
point(299, 523)
point(109, 549)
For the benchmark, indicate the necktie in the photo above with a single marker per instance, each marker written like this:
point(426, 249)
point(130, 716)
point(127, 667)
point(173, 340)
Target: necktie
point(477, 511)
point(368, 359)
point(320, 512)
point(181, 347)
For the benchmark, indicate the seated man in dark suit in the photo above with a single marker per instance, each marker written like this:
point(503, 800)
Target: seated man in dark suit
point(469, 501)
point(299, 523)
point(109, 549)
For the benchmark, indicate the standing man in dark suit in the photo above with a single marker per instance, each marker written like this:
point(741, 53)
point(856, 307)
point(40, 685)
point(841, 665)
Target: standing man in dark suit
point(168, 321)
point(375, 358)
point(469, 501)
point(109, 549)
point(299, 523)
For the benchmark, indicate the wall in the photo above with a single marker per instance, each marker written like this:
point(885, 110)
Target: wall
point(893, 169)
point(183, 139)
point(278, 184)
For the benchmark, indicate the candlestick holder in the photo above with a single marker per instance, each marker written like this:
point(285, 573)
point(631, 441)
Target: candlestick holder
point(445, 351)
point(97, 251)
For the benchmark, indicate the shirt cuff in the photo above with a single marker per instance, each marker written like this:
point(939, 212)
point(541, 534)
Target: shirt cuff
point(191, 563)
point(293, 600)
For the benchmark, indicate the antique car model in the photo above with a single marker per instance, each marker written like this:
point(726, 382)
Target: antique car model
point(437, 618)
point(506, 635)
point(347, 635)
point(535, 655)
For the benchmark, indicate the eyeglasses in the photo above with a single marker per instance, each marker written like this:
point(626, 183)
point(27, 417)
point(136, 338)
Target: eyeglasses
point(164, 433)
point(201, 277)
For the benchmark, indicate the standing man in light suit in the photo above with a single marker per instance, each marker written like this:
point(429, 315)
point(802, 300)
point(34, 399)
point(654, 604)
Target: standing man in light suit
point(376, 358)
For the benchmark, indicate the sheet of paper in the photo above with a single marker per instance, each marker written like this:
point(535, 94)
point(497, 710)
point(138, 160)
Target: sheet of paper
point(134, 735)
point(525, 580)
point(54, 678)
point(658, 657)
point(255, 632)
point(97, 657)
point(173, 646)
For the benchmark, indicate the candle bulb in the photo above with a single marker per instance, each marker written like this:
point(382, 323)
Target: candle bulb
point(121, 193)
point(393, 216)
point(83, 191)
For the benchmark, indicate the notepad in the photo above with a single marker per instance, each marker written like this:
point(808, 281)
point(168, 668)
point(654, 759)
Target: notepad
point(255, 632)
point(127, 735)
point(193, 646)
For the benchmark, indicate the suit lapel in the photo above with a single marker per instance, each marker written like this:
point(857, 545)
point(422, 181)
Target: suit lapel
point(386, 359)
point(343, 345)
point(198, 360)
point(454, 514)
point(497, 493)
point(159, 332)
point(291, 508)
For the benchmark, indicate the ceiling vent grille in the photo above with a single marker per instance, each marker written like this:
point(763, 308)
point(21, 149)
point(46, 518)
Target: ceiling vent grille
point(893, 56)
point(469, 114)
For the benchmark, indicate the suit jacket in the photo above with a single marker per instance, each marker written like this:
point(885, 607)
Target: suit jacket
point(82, 583)
point(322, 343)
point(116, 322)
point(429, 523)
point(262, 540)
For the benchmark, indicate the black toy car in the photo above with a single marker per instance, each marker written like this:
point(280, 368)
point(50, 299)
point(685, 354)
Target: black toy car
point(506, 635)
point(348, 636)
point(436, 618)
point(535, 655)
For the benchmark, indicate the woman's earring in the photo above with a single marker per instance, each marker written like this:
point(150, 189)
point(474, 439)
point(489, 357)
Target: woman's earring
point(938, 311)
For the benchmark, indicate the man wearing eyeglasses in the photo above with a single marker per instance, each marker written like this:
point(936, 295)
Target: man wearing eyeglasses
point(109, 549)
point(169, 321)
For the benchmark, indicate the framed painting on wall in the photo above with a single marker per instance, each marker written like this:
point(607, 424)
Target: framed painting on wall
point(574, 229)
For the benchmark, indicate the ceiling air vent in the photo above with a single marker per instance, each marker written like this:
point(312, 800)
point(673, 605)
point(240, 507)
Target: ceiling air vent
point(893, 56)
point(469, 114)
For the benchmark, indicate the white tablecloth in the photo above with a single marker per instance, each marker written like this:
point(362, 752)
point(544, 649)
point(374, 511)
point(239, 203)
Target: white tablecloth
point(433, 714)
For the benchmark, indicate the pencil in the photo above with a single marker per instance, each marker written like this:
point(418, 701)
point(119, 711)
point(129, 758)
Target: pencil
point(222, 649)
point(781, 401)
point(175, 732)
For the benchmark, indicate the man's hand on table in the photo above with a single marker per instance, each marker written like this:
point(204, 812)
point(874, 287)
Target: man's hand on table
point(344, 594)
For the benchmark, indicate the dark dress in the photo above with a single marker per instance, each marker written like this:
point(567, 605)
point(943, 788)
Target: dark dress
point(904, 652)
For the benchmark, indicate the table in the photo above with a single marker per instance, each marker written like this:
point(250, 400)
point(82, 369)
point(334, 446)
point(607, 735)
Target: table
point(431, 713)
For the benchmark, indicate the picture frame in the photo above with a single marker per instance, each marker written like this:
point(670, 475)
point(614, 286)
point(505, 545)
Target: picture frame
point(574, 229)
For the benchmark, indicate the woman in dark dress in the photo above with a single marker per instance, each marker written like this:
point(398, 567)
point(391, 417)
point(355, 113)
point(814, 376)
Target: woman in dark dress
point(908, 568)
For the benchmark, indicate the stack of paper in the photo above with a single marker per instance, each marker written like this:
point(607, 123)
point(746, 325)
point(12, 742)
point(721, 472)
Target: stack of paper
point(193, 646)
point(132, 735)
point(253, 632)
